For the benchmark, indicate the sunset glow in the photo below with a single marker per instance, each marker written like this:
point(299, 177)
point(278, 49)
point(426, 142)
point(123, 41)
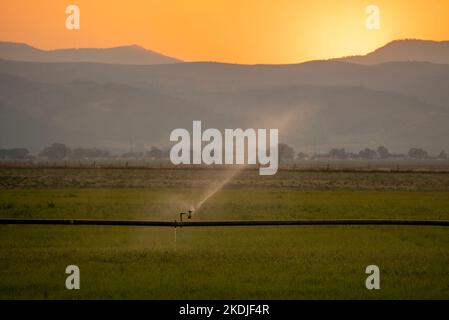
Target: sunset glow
point(252, 31)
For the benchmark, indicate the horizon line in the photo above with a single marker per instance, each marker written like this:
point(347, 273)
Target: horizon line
point(330, 59)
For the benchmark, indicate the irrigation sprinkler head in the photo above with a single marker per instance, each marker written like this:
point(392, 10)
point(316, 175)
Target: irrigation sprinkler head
point(188, 213)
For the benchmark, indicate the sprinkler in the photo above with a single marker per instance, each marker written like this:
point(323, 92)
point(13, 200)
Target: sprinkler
point(188, 213)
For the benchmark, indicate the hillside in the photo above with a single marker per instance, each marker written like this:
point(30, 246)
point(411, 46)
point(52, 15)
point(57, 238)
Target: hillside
point(111, 115)
point(405, 50)
point(400, 104)
point(133, 55)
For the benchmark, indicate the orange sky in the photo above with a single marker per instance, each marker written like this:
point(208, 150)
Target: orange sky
point(242, 31)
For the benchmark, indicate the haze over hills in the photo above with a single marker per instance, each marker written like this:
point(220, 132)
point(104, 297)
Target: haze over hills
point(327, 103)
point(405, 50)
point(422, 80)
point(133, 54)
point(112, 115)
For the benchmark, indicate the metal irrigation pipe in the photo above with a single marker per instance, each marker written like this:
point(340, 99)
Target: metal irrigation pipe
point(227, 223)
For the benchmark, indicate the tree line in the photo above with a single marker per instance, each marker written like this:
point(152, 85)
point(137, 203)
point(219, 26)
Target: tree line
point(381, 153)
point(59, 151)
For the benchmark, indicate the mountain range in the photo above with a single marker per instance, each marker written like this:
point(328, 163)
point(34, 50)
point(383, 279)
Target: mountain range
point(398, 50)
point(401, 103)
point(405, 50)
point(132, 54)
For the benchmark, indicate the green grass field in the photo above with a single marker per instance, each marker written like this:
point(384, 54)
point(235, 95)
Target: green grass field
point(218, 262)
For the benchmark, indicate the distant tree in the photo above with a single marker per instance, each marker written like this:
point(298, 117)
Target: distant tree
point(418, 153)
point(56, 151)
point(383, 152)
point(301, 156)
point(367, 153)
point(85, 153)
point(397, 156)
point(338, 153)
point(133, 155)
point(155, 153)
point(286, 153)
point(14, 154)
point(352, 155)
point(442, 155)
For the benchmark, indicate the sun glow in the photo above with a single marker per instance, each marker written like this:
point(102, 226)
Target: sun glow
point(251, 31)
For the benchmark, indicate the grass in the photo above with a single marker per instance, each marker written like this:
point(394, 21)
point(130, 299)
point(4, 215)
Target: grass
point(224, 263)
point(170, 178)
point(164, 203)
point(249, 263)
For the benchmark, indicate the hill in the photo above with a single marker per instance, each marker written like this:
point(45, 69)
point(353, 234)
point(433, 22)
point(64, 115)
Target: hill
point(111, 115)
point(134, 55)
point(405, 50)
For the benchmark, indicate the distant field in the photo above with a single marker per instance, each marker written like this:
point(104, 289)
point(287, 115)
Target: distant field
point(213, 263)
point(175, 178)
